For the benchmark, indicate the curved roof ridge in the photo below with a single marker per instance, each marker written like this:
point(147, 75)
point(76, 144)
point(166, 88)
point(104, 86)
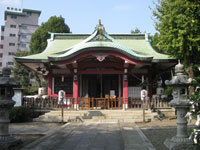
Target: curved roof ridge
point(99, 38)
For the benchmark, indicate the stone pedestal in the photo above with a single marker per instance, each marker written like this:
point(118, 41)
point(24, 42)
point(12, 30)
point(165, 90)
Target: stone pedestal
point(6, 140)
point(6, 103)
point(181, 140)
point(175, 144)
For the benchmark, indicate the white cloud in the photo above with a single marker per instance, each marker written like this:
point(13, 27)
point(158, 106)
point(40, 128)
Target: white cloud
point(10, 2)
point(123, 7)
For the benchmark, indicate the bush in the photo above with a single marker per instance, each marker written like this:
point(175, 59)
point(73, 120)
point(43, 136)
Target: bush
point(195, 100)
point(20, 114)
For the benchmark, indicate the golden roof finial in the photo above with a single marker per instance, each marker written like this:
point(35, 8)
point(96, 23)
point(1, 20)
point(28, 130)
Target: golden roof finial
point(99, 21)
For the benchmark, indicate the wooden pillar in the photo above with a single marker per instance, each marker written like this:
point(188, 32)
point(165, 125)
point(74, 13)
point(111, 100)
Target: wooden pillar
point(49, 85)
point(75, 89)
point(125, 91)
point(150, 84)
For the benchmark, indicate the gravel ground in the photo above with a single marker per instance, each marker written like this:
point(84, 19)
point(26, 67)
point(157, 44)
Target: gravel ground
point(29, 131)
point(159, 135)
point(25, 140)
point(158, 131)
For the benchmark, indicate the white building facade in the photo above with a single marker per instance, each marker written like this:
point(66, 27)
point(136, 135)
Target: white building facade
point(20, 24)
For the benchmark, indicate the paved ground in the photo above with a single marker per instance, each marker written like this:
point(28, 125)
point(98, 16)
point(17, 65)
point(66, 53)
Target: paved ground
point(94, 136)
point(36, 128)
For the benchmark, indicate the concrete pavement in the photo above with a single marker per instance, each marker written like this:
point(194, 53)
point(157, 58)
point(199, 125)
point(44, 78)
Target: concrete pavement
point(93, 136)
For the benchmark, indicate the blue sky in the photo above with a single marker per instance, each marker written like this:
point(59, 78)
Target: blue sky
point(118, 16)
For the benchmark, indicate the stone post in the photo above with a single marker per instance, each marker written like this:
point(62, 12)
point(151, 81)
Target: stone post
point(180, 83)
point(6, 102)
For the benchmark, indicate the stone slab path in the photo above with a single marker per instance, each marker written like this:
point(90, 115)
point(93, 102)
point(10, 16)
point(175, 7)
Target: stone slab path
point(94, 136)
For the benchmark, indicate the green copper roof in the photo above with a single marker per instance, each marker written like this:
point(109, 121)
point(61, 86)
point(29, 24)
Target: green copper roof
point(21, 13)
point(63, 46)
point(31, 10)
point(15, 13)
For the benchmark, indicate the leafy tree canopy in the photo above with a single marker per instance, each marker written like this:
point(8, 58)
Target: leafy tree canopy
point(21, 73)
point(178, 22)
point(136, 31)
point(155, 43)
point(39, 38)
point(28, 79)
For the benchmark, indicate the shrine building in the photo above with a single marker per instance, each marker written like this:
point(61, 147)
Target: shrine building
point(98, 65)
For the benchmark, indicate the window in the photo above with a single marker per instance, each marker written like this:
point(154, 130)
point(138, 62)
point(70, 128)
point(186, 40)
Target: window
point(24, 27)
point(12, 26)
point(1, 46)
point(132, 81)
point(11, 44)
point(23, 45)
point(67, 85)
point(1, 55)
point(29, 13)
point(12, 35)
point(10, 63)
point(2, 37)
point(24, 36)
point(10, 53)
point(14, 17)
point(0, 64)
point(2, 28)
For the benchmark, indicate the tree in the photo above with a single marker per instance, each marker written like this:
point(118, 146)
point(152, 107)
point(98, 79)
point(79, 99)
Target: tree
point(155, 43)
point(178, 22)
point(21, 73)
point(39, 38)
point(136, 31)
point(28, 79)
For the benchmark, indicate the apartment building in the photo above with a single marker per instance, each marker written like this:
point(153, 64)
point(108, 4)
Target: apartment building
point(20, 24)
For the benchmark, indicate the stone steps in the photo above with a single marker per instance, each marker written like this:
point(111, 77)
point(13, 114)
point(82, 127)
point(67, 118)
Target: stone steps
point(168, 112)
point(97, 116)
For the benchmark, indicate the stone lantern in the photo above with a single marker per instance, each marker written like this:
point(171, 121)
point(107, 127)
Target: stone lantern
point(180, 83)
point(6, 102)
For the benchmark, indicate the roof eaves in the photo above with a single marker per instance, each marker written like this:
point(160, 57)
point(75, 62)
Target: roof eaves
point(15, 13)
point(164, 60)
point(24, 60)
point(31, 10)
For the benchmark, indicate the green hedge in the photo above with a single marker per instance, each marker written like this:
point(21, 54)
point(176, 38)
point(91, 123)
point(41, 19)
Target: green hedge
point(20, 114)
